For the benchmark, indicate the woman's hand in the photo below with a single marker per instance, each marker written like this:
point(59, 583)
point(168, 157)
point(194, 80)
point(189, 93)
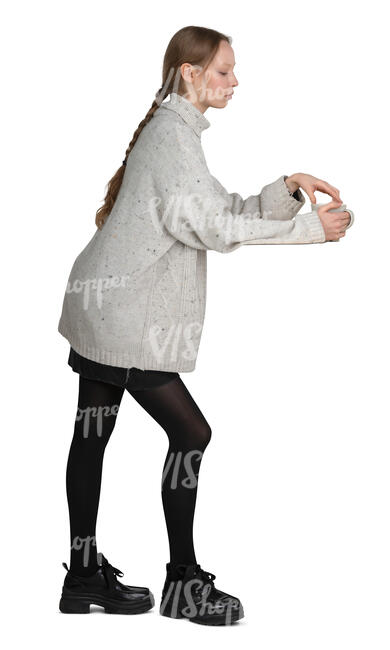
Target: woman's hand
point(333, 223)
point(310, 184)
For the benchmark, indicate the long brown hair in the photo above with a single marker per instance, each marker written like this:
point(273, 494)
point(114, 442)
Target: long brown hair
point(194, 45)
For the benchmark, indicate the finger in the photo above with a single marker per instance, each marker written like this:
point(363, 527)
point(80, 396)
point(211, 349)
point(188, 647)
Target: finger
point(332, 191)
point(329, 189)
point(333, 204)
point(342, 217)
point(335, 191)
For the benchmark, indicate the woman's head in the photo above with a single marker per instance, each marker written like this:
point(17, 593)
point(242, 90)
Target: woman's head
point(211, 85)
point(198, 64)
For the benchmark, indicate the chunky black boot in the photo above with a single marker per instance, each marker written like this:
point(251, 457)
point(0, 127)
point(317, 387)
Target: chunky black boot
point(189, 592)
point(103, 588)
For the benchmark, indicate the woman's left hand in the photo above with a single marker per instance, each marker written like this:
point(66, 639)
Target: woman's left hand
point(310, 184)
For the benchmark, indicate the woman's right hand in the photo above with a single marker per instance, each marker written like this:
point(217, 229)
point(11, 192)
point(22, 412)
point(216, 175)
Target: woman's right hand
point(333, 223)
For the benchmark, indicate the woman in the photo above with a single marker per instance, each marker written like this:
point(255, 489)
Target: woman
point(133, 314)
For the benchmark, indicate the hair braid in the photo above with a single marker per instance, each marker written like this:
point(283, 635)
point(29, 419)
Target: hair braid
point(146, 119)
point(116, 181)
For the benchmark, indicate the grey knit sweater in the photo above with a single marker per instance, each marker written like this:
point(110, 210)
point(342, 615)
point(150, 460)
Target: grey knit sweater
point(136, 293)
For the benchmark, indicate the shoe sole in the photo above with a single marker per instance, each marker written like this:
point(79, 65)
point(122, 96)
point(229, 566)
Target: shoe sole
point(212, 619)
point(81, 605)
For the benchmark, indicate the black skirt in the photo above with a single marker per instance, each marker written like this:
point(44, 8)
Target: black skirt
point(132, 378)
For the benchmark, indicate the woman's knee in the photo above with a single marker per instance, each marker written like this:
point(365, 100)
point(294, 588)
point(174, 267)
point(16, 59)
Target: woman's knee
point(201, 435)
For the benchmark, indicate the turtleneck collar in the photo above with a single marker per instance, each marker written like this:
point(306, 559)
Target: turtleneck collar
point(186, 109)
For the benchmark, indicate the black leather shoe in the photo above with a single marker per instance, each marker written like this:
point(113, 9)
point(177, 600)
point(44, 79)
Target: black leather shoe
point(189, 592)
point(103, 588)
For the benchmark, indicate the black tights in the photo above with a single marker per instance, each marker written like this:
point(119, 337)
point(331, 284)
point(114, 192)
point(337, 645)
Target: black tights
point(172, 406)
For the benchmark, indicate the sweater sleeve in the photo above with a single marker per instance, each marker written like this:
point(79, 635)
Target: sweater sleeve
point(199, 212)
point(276, 200)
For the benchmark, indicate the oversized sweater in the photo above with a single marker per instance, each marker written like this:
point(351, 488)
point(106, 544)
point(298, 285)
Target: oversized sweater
point(136, 293)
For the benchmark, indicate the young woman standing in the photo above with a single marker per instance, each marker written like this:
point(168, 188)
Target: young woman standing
point(134, 309)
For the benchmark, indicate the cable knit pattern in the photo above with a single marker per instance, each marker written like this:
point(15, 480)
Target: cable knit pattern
point(136, 294)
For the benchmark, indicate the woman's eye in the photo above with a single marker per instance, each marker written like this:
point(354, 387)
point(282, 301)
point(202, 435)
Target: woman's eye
point(223, 73)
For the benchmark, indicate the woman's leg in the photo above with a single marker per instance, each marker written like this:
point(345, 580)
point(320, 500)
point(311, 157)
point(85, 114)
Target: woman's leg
point(172, 406)
point(98, 405)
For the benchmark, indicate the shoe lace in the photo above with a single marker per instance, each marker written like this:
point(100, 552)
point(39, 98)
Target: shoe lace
point(205, 576)
point(110, 572)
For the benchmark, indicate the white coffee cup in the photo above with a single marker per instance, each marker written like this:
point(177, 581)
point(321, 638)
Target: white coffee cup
point(342, 208)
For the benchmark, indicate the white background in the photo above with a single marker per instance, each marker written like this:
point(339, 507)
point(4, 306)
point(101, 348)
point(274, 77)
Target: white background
point(292, 374)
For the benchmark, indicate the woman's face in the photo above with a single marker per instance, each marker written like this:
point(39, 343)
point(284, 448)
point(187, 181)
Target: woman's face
point(215, 85)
